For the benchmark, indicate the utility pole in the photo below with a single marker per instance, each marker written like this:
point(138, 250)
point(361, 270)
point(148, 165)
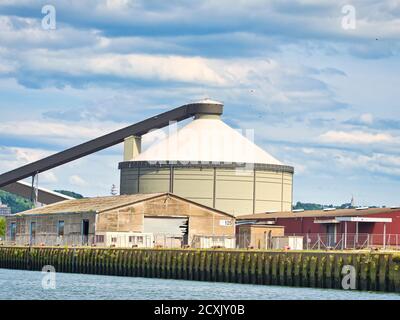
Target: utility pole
point(35, 190)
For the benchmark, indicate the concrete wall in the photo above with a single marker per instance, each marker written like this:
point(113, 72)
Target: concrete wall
point(202, 221)
point(237, 192)
point(257, 236)
point(47, 227)
point(375, 271)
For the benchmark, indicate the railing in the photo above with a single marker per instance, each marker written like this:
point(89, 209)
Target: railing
point(51, 240)
point(343, 241)
point(306, 241)
point(319, 241)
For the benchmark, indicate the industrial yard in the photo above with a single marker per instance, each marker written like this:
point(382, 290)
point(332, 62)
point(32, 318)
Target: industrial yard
point(203, 186)
point(203, 150)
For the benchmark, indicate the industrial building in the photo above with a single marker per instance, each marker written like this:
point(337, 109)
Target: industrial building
point(142, 220)
point(4, 210)
point(206, 161)
point(206, 164)
point(337, 228)
point(257, 235)
point(200, 178)
point(211, 163)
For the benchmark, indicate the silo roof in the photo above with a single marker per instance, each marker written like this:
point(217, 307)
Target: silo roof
point(207, 139)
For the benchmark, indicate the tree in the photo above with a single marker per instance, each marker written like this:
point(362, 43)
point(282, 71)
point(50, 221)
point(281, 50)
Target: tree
point(2, 227)
point(16, 203)
point(70, 194)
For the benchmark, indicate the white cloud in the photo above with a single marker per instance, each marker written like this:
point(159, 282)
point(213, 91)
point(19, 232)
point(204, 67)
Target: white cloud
point(77, 181)
point(356, 137)
point(74, 176)
point(57, 132)
point(12, 157)
point(164, 41)
point(116, 4)
point(17, 32)
point(367, 118)
point(27, 155)
point(376, 163)
point(131, 66)
point(48, 177)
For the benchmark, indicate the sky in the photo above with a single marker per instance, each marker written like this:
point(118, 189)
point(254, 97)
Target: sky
point(317, 81)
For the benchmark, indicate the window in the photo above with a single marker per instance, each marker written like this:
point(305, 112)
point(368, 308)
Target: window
point(136, 239)
point(60, 228)
point(114, 239)
point(33, 230)
point(13, 229)
point(100, 238)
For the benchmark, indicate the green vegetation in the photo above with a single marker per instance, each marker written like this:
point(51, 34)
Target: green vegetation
point(317, 206)
point(70, 194)
point(2, 227)
point(19, 204)
point(16, 203)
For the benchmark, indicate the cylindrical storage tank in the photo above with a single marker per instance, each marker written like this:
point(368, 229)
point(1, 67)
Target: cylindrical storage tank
point(210, 163)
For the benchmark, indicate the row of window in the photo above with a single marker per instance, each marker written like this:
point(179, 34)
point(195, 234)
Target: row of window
point(32, 229)
point(132, 239)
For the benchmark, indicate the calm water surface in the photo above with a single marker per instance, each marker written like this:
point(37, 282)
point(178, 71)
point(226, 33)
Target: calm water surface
point(17, 284)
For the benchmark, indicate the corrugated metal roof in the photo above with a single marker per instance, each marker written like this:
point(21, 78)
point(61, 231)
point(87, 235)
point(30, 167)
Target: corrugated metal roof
point(101, 204)
point(316, 213)
point(97, 204)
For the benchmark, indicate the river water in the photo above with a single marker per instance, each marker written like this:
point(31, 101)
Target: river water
point(17, 284)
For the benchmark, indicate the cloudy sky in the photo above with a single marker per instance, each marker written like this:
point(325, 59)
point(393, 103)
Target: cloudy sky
point(320, 90)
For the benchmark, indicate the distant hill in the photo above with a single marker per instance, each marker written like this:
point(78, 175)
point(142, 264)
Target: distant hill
point(16, 203)
point(19, 204)
point(70, 194)
point(317, 206)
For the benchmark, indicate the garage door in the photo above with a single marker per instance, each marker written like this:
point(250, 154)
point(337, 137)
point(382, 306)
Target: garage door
point(162, 225)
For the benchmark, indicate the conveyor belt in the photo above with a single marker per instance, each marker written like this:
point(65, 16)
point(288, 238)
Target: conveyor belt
point(108, 140)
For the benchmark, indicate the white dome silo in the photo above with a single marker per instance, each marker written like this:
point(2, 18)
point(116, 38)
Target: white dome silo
point(209, 162)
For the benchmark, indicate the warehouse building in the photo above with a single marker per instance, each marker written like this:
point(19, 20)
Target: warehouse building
point(141, 220)
point(211, 163)
point(257, 235)
point(337, 228)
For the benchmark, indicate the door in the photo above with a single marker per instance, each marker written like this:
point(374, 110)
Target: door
point(13, 231)
point(85, 231)
point(331, 235)
point(171, 232)
point(33, 233)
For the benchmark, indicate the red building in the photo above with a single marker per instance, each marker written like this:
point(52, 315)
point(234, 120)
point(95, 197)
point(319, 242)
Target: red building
point(341, 228)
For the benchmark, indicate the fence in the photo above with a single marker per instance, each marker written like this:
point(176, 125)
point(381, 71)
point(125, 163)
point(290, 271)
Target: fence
point(342, 241)
point(52, 240)
point(124, 240)
point(308, 241)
